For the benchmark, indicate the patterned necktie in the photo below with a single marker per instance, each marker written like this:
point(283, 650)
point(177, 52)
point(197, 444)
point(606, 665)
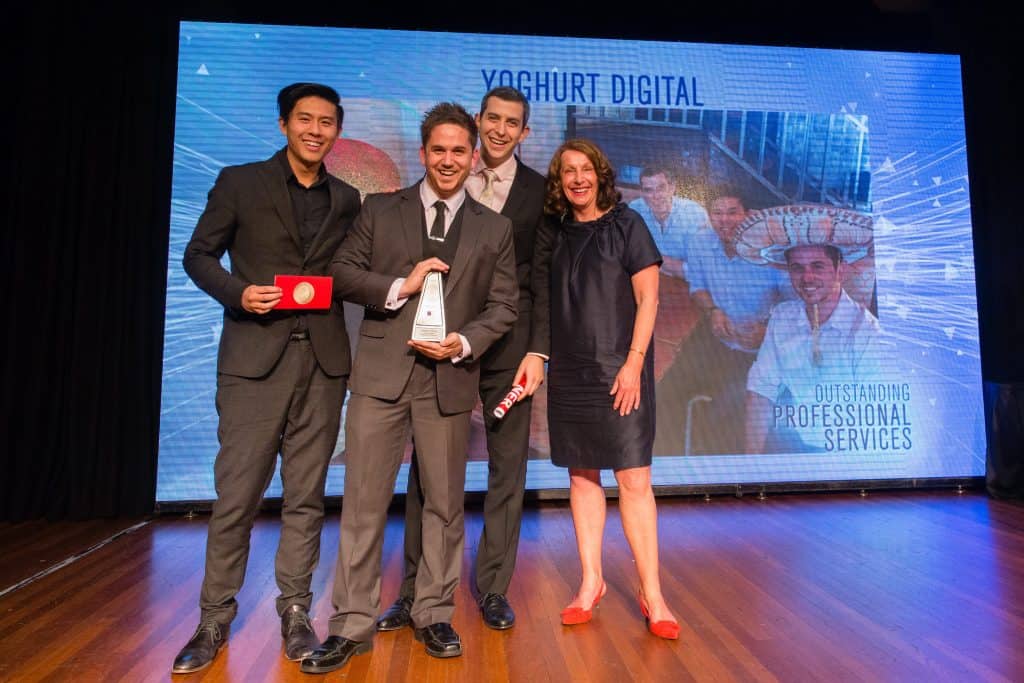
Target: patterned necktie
point(487, 194)
point(437, 229)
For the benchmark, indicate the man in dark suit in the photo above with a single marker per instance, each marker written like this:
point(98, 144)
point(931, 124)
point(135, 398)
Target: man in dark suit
point(505, 184)
point(428, 388)
point(281, 375)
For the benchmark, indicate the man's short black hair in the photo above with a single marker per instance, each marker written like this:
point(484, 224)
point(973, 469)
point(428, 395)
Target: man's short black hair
point(290, 94)
point(651, 170)
point(831, 251)
point(447, 112)
point(509, 94)
point(724, 192)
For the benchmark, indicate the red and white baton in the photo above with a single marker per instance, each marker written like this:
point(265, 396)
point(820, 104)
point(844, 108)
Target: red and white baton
point(510, 398)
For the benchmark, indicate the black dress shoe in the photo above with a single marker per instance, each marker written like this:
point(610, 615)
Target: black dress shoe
point(200, 650)
point(496, 611)
point(396, 616)
point(333, 654)
point(441, 640)
point(299, 637)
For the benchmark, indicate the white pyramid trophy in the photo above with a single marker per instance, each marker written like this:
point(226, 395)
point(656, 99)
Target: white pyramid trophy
point(428, 324)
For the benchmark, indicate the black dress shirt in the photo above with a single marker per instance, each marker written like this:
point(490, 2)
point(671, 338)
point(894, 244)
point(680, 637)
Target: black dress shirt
point(310, 205)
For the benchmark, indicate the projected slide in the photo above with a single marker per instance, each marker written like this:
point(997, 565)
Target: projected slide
point(773, 364)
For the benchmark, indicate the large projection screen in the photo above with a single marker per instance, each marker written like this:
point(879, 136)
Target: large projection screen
point(874, 135)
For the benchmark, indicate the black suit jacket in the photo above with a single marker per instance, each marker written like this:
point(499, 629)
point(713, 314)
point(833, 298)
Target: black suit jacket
point(524, 207)
point(249, 215)
point(481, 291)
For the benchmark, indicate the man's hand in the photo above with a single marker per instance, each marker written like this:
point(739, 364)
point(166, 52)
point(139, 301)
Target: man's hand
point(260, 299)
point(414, 281)
point(752, 335)
point(672, 267)
point(449, 347)
point(721, 326)
point(532, 367)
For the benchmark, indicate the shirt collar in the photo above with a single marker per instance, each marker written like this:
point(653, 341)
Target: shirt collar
point(506, 170)
point(289, 174)
point(843, 315)
point(428, 197)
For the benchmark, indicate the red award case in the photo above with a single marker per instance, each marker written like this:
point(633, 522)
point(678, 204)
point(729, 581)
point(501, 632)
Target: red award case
point(307, 292)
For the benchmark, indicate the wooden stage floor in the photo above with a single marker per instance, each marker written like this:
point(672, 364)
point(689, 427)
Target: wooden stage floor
point(894, 586)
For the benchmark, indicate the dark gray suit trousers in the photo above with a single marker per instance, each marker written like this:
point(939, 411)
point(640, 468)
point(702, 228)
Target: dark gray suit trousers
point(295, 411)
point(508, 443)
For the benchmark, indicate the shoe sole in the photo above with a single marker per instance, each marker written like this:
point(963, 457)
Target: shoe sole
point(191, 671)
point(363, 648)
point(383, 629)
point(444, 655)
point(299, 658)
point(499, 627)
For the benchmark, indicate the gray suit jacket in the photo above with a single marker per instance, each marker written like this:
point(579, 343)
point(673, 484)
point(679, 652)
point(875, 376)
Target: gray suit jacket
point(249, 215)
point(385, 243)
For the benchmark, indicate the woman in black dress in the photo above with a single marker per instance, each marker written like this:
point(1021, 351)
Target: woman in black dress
point(604, 297)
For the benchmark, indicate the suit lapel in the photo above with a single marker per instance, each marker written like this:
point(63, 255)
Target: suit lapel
point(411, 210)
point(517, 194)
point(472, 225)
point(273, 177)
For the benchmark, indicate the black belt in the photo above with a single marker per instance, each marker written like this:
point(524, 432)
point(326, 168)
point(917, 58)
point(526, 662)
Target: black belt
point(299, 335)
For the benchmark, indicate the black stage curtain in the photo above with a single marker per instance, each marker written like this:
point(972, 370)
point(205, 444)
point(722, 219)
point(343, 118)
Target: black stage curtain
point(88, 117)
point(90, 104)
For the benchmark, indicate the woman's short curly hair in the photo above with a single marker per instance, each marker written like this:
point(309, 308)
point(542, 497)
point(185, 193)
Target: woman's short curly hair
point(555, 202)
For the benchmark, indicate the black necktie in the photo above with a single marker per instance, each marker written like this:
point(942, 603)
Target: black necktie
point(437, 229)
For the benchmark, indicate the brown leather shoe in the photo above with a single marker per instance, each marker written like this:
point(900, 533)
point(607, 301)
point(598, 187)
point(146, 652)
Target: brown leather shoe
point(299, 637)
point(201, 648)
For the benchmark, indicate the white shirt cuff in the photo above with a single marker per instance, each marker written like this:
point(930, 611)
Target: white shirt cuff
point(466, 350)
point(393, 302)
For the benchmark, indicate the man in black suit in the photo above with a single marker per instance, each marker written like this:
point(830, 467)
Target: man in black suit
point(429, 388)
point(281, 375)
point(506, 185)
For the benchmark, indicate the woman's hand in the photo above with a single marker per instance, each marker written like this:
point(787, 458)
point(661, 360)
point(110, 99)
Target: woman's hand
point(626, 387)
point(532, 369)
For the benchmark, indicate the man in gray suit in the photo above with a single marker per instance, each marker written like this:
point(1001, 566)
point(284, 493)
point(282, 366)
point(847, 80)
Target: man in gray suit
point(428, 388)
point(281, 375)
point(505, 184)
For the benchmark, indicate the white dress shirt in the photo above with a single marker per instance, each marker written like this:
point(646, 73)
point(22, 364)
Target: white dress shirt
point(785, 370)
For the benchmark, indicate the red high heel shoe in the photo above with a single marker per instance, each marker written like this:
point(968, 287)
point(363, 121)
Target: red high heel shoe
point(577, 615)
point(669, 630)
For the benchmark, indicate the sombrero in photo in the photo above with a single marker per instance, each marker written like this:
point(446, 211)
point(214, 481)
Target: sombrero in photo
point(766, 234)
